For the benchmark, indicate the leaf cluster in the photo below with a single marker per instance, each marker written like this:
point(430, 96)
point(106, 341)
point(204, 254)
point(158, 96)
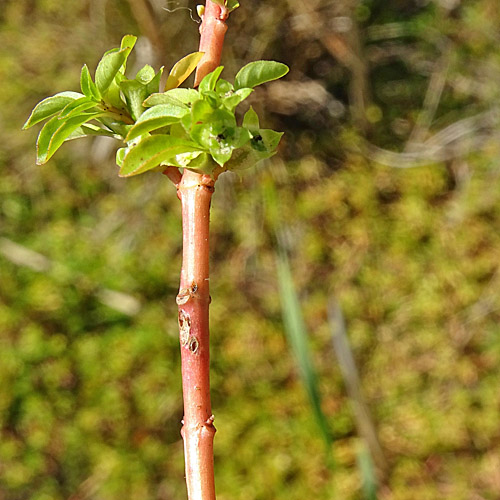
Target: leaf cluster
point(182, 127)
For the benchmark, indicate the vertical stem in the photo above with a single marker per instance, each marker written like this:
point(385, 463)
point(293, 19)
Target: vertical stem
point(195, 192)
point(212, 31)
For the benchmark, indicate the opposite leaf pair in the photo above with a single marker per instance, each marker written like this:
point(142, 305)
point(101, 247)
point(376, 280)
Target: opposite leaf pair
point(186, 128)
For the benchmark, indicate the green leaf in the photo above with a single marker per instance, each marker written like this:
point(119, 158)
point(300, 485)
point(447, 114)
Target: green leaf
point(120, 155)
point(258, 72)
point(182, 69)
point(113, 62)
point(50, 106)
point(153, 151)
point(55, 132)
point(107, 69)
point(145, 75)
point(174, 96)
point(184, 159)
point(209, 81)
point(89, 88)
point(212, 98)
point(135, 93)
point(154, 84)
point(269, 138)
point(223, 87)
point(128, 42)
point(77, 106)
point(259, 148)
point(113, 94)
point(217, 132)
point(200, 113)
point(177, 130)
point(90, 129)
point(155, 118)
point(236, 98)
point(251, 120)
point(203, 163)
point(119, 128)
point(186, 96)
point(231, 5)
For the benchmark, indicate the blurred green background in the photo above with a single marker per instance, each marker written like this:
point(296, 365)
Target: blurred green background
point(394, 268)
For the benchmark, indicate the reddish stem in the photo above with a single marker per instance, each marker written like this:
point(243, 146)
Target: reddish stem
point(212, 31)
point(195, 192)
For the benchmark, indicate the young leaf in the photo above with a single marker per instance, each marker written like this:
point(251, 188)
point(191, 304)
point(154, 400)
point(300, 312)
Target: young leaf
point(155, 118)
point(154, 84)
point(223, 87)
point(231, 5)
point(153, 151)
point(128, 42)
point(107, 69)
point(174, 96)
point(77, 106)
point(212, 98)
point(50, 106)
point(113, 61)
point(258, 72)
point(203, 163)
point(209, 81)
point(251, 120)
point(89, 88)
point(269, 138)
point(259, 148)
point(217, 133)
point(235, 98)
point(120, 155)
point(90, 129)
point(55, 132)
point(135, 93)
point(200, 113)
point(184, 159)
point(113, 94)
point(119, 128)
point(182, 69)
point(145, 75)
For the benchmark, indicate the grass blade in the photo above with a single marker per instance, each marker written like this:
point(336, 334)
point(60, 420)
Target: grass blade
point(297, 336)
point(367, 471)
